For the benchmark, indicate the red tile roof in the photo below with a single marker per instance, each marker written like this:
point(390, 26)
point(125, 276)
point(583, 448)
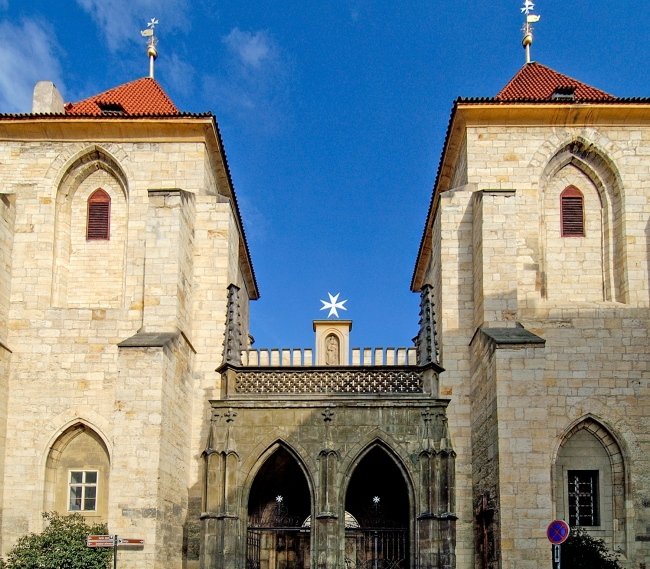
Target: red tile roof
point(140, 97)
point(537, 82)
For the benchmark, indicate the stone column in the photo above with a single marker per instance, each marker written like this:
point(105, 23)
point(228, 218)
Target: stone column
point(221, 540)
point(495, 259)
point(326, 525)
point(436, 522)
point(168, 273)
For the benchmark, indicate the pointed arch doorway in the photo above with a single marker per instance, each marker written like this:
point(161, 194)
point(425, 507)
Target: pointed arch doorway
point(377, 514)
point(278, 505)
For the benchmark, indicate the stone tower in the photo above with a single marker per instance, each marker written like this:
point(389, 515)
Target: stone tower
point(119, 234)
point(536, 248)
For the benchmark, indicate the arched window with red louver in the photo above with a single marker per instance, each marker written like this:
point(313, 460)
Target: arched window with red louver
point(572, 212)
point(99, 216)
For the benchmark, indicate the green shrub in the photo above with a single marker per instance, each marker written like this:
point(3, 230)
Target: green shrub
point(61, 545)
point(582, 551)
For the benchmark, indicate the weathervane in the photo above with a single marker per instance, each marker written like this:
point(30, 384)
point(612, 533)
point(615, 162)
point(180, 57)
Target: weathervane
point(333, 305)
point(151, 44)
point(528, 26)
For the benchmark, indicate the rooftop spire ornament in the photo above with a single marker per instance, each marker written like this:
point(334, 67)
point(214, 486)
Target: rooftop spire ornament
point(151, 44)
point(528, 26)
point(333, 305)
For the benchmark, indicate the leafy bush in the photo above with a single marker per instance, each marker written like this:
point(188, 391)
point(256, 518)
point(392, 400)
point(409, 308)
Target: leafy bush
point(582, 551)
point(61, 545)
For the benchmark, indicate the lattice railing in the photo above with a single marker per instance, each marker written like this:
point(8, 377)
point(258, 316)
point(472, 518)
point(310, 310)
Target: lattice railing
point(347, 380)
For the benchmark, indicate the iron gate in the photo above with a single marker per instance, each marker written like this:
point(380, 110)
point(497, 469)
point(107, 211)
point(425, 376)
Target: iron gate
point(276, 540)
point(375, 541)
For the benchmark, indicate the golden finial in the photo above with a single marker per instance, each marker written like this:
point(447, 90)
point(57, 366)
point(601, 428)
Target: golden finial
point(151, 44)
point(528, 26)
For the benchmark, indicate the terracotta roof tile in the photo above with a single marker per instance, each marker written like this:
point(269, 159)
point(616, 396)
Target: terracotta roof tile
point(140, 97)
point(537, 82)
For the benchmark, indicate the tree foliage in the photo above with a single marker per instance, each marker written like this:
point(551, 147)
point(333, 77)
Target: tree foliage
point(61, 545)
point(582, 551)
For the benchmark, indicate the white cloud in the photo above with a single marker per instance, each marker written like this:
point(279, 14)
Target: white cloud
point(252, 50)
point(28, 54)
point(122, 20)
point(254, 84)
point(177, 73)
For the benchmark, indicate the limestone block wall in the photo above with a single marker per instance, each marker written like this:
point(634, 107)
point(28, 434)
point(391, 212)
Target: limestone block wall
point(216, 237)
point(495, 268)
point(7, 220)
point(66, 366)
point(588, 300)
point(92, 284)
point(525, 486)
point(485, 449)
point(452, 277)
point(526, 158)
point(149, 478)
point(573, 267)
point(168, 264)
point(597, 366)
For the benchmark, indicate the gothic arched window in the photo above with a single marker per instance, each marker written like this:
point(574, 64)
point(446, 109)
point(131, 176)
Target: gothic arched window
point(99, 216)
point(572, 217)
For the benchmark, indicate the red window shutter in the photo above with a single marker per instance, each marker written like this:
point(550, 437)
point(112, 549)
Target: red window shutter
point(99, 216)
point(572, 217)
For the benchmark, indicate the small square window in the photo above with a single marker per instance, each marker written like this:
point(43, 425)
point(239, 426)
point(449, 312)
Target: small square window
point(583, 498)
point(83, 491)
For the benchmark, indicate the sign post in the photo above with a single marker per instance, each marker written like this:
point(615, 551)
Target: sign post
point(558, 532)
point(111, 541)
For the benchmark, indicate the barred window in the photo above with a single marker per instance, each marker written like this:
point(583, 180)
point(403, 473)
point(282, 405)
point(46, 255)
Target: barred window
point(572, 218)
point(583, 498)
point(99, 216)
point(83, 491)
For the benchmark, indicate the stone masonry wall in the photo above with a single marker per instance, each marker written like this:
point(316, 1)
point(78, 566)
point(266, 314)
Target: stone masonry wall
point(485, 453)
point(92, 284)
point(7, 219)
point(66, 366)
point(595, 362)
point(455, 314)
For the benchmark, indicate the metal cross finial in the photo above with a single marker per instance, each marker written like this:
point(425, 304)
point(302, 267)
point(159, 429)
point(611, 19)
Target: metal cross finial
point(528, 26)
point(151, 43)
point(528, 7)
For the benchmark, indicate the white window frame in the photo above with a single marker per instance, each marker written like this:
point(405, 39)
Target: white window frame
point(83, 485)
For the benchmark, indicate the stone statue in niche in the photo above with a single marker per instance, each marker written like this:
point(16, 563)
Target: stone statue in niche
point(332, 351)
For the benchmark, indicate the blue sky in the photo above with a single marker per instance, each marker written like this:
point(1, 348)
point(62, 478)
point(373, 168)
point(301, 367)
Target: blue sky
point(333, 116)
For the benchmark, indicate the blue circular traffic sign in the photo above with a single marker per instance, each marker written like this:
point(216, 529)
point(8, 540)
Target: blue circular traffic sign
point(558, 532)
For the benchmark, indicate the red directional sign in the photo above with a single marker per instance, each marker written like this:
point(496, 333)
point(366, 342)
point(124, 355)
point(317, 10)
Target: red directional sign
point(100, 541)
point(129, 541)
point(558, 532)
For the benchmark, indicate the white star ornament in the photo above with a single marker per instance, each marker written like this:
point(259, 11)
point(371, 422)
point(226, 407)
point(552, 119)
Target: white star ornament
point(334, 305)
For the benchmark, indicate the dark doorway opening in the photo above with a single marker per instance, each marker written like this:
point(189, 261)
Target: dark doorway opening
point(377, 500)
point(278, 505)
